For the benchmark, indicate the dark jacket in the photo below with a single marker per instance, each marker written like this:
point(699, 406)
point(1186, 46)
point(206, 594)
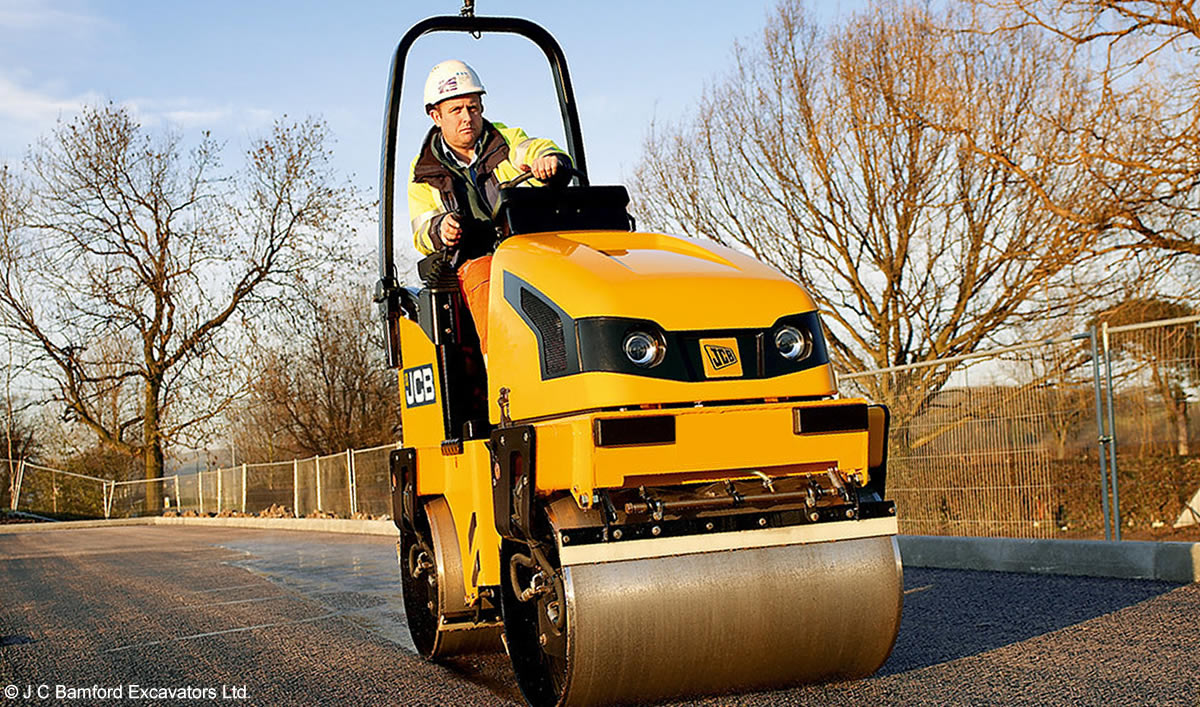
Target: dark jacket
point(437, 186)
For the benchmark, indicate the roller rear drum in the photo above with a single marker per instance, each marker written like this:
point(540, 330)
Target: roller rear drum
point(439, 621)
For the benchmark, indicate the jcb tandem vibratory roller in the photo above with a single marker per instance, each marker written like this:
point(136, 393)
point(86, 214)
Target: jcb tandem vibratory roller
point(653, 490)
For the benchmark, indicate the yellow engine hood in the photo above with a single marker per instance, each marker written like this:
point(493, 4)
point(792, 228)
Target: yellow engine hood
point(680, 283)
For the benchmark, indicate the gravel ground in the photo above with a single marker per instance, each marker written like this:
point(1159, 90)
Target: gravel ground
point(270, 617)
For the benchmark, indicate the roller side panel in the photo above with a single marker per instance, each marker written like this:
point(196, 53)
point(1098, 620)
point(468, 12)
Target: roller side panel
point(464, 481)
point(420, 389)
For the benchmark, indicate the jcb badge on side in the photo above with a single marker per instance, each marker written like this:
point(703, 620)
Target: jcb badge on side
point(418, 386)
point(720, 358)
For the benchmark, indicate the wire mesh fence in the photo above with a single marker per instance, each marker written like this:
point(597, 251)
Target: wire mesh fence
point(1154, 370)
point(308, 491)
point(1090, 435)
point(372, 481)
point(44, 490)
point(269, 485)
point(333, 478)
point(1003, 444)
point(127, 499)
point(354, 483)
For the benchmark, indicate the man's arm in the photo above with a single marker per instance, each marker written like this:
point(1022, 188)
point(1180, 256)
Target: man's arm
point(429, 221)
point(532, 154)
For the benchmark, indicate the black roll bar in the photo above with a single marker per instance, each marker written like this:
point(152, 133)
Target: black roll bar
point(387, 290)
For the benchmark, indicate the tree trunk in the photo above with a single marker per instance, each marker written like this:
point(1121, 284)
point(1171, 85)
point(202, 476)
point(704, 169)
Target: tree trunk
point(152, 455)
point(1179, 416)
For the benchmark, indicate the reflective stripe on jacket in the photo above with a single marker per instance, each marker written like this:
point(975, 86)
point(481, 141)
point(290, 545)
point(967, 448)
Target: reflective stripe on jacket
point(432, 188)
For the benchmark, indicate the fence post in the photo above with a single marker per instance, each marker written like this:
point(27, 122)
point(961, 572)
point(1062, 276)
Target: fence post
point(243, 487)
point(200, 489)
point(219, 475)
point(178, 500)
point(108, 489)
point(317, 464)
point(296, 488)
point(1112, 434)
point(1101, 436)
point(350, 481)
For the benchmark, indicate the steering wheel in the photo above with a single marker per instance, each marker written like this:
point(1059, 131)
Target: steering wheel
point(560, 179)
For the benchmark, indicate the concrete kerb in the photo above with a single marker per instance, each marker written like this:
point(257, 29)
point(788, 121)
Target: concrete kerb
point(1165, 561)
point(318, 525)
point(1128, 559)
point(12, 528)
point(314, 525)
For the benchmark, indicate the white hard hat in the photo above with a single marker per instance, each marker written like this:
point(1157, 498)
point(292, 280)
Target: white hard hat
point(450, 79)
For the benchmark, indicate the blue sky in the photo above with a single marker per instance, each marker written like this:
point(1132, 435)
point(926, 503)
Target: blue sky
point(234, 67)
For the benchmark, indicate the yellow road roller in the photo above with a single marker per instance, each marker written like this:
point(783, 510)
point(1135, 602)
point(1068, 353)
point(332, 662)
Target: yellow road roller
point(652, 489)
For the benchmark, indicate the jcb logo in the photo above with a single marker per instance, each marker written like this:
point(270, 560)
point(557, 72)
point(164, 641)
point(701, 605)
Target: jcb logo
point(418, 386)
point(720, 356)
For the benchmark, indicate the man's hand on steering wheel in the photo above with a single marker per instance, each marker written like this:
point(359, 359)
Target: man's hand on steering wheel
point(558, 176)
point(543, 167)
point(450, 230)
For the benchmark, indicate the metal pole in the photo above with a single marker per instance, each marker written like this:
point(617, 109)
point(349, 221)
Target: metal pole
point(296, 488)
point(243, 487)
point(178, 500)
point(1156, 324)
point(200, 487)
point(317, 464)
point(219, 475)
point(108, 489)
point(1112, 434)
point(1102, 438)
point(350, 481)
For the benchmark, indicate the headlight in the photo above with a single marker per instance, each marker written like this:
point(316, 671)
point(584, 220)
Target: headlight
point(644, 349)
point(793, 344)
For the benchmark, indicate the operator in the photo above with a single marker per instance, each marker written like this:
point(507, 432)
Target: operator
point(455, 180)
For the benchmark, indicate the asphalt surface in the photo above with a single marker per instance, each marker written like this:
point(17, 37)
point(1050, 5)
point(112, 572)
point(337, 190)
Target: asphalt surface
point(266, 617)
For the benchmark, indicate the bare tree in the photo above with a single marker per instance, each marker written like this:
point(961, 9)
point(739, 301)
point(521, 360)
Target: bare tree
point(129, 255)
point(822, 153)
point(319, 388)
point(1139, 139)
point(22, 433)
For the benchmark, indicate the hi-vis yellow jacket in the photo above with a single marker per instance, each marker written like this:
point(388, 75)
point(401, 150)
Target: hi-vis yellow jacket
point(434, 190)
